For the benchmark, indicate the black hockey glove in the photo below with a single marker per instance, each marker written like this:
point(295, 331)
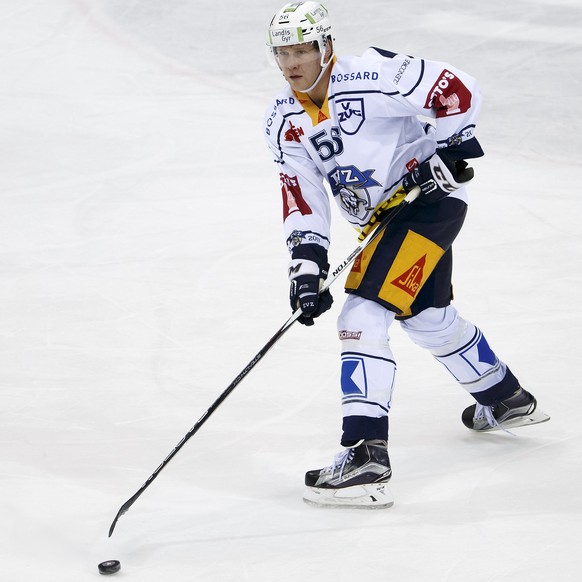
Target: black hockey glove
point(307, 276)
point(438, 177)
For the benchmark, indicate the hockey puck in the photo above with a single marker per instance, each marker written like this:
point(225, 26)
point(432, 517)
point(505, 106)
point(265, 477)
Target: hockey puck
point(109, 567)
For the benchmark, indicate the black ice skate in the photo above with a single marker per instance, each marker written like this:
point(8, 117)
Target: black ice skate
point(357, 478)
point(520, 409)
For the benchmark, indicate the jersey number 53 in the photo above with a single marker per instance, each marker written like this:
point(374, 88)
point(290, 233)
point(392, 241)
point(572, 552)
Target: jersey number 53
point(328, 146)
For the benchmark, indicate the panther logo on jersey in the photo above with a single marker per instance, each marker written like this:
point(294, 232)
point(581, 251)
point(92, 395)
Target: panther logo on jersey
point(351, 184)
point(350, 114)
point(353, 203)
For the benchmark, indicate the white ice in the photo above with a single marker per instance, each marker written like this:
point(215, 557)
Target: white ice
point(142, 266)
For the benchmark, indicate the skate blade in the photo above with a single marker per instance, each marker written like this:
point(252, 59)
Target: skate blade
point(373, 496)
point(536, 417)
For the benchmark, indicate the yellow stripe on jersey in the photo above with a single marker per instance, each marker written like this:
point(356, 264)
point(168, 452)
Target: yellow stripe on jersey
point(393, 201)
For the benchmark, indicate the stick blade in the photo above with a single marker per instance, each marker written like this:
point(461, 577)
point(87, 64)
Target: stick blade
point(122, 510)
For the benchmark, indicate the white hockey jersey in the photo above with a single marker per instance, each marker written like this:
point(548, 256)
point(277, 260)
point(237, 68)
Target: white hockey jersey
point(366, 136)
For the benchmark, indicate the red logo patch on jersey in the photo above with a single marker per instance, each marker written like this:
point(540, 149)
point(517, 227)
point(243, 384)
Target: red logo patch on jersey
point(449, 96)
point(412, 164)
point(294, 133)
point(292, 196)
point(411, 279)
point(321, 117)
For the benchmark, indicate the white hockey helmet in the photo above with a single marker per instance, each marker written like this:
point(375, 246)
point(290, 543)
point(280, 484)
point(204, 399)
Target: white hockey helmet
point(298, 23)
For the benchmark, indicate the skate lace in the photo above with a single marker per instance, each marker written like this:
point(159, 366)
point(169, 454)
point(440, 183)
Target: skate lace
point(486, 412)
point(340, 461)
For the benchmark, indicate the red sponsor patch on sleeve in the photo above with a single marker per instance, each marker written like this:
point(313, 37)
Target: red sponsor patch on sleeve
point(292, 196)
point(448, 96)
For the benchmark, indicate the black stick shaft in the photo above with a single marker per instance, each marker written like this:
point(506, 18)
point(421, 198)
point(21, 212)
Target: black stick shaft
point(260, 355)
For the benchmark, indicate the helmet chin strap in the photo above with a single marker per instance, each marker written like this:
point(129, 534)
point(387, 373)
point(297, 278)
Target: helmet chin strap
point(321, 73)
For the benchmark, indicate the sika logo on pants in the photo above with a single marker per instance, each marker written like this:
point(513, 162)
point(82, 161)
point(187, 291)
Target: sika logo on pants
point(411, 280)
point(415, 261)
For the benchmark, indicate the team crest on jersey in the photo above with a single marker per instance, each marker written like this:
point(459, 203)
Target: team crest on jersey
point(295, 239)
point(357, 204)
point(351, 185)
point(350, 114)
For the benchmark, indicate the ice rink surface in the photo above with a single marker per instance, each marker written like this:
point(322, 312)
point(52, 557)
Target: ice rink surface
point(142, 265)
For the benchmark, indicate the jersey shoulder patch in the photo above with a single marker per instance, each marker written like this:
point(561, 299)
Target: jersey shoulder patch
point(386, 54)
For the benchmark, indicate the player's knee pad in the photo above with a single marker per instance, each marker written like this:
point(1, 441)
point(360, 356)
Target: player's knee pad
point(457, 344)
point(439, 330)
point(363, 322)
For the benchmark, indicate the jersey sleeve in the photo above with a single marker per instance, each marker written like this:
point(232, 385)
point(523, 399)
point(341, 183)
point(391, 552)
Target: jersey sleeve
point(437, 90)
point(306, 205)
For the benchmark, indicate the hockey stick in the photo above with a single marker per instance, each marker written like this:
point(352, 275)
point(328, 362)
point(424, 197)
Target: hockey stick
point(410, 197)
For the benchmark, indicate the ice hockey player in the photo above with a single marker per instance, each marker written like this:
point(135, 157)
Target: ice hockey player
point(375, 127)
